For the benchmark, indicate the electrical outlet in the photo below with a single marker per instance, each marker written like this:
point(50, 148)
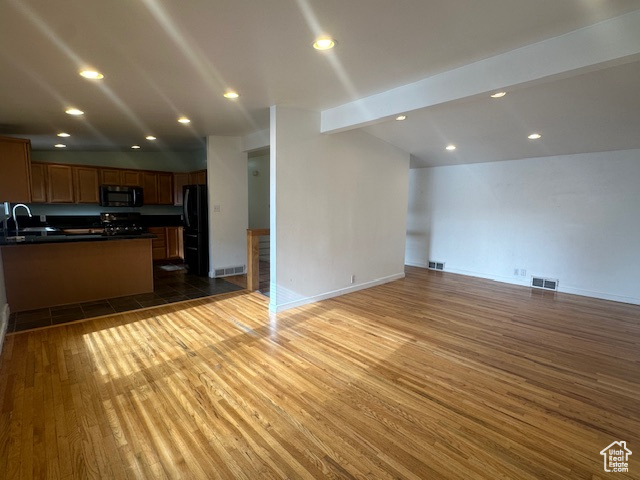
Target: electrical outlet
point(43, 218)
point(353, 279)
point(216, 208)
point(516, 272)
point(523, 272)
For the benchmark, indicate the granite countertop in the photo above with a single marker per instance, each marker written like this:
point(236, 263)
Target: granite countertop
point(89, 229)
point(57, 238)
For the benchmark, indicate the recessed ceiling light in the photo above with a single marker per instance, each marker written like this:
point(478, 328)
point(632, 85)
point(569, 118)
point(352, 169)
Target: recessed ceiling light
point(184, 120)
point(63, 134)
point(324, 43)
point(60, 145)
point(150, 137)
point(401, 117)
point(498, 95)
point(74, 111)
point(451, 148)
point(135, 147)
point(231, 94)
point(534, 136)
point(91, 74)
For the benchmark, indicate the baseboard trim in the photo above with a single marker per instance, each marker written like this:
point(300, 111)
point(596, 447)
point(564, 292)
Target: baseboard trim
point(4, 324)
point(561, 289)
point(335, 293)
point(600, 295)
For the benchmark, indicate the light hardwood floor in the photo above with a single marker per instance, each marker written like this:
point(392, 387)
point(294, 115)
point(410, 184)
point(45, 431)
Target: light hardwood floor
point(433, 376)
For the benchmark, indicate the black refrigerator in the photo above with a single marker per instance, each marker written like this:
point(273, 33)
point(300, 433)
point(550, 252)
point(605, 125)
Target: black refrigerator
point(196, 229)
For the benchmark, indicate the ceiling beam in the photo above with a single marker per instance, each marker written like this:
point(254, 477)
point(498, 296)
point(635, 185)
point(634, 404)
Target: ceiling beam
point(611, 42)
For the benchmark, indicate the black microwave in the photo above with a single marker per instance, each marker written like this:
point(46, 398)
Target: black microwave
point(120, 196)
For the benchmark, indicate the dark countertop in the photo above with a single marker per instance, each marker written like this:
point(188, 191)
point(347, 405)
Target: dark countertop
point(95, 237)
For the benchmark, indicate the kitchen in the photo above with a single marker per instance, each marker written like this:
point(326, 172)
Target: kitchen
point(82, 242)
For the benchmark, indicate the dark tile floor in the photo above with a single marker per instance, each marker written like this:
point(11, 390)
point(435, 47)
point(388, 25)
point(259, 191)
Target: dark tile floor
point(169, 287)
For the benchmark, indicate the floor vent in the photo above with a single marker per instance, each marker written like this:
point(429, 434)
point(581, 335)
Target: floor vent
point(224, 272)
point(545, 283)
point(436, 265)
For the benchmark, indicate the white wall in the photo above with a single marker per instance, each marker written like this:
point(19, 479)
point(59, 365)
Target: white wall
point(258, 179)
point(227, 187)
point(575, 218)
point(338, 208)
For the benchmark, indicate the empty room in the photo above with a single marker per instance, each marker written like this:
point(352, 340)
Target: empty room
point(307, 239)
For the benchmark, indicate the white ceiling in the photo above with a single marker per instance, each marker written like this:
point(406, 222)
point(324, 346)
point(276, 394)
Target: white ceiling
point(163, 59)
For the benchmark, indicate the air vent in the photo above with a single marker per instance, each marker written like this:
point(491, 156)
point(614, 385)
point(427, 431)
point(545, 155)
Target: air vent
point(433, 265)
point(544, 283)
point(223, 272)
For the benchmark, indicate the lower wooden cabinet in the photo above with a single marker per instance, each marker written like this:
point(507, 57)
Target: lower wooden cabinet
point(159, 244)
point(168, 243)
point(175, 249)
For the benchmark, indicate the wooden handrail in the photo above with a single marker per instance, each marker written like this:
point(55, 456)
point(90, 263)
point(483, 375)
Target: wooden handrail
point(253, 256)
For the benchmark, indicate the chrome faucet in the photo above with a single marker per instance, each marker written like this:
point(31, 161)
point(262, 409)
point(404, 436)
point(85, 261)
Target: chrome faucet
point(15, 220)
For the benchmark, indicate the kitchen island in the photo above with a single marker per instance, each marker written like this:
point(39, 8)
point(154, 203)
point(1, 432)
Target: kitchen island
point(47, 271)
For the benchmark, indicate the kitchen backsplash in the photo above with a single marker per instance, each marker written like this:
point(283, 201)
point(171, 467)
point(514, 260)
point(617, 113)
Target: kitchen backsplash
point(76, 209)
point(88, 221)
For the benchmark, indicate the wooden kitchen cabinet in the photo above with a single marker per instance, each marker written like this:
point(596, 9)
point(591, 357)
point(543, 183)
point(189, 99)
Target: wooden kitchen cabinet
point(131, 178)
point(198, 178)
point(119, 176)
point(179, 181)
point(159, 244)
point(49, 183)
point(110, 176)
point(168, 244)
point(165, 189)
point(150, 188)
point(15, 165)
point(182, 179)
point(174, 242)
point(86, 184)
point(60, 183)
point(38, 183)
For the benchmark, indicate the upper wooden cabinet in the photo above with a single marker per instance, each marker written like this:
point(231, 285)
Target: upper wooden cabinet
point(110, 176)
point(86, 184)
point(118, 176)
point(60, 183)
point(165, 188)
point(54, 183)
point(182, 179)
point(198, 178)
point(150, 188)
point(38, 183)
point(15, 165)
point(179, 181)
point(131, 178)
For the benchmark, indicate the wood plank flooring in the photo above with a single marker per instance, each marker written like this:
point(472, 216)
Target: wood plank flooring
point(433, 376)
